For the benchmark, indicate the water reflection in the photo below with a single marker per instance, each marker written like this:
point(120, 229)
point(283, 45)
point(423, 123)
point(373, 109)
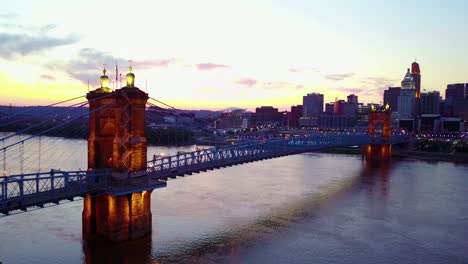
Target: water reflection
point(226, 245)
point(97, 250)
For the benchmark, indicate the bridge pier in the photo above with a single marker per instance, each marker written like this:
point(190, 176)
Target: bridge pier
point(377, 152)
point(379, 119)
point(117, 141)
point(118, 218)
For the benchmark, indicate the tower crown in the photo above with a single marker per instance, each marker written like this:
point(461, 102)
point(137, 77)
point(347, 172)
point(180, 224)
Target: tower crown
point(104, 82)
point(415, 68)
point(130, 77)
point(407, 82)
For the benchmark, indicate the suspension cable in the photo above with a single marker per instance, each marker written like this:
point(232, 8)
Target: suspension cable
point(31, 110)
point(60, 125)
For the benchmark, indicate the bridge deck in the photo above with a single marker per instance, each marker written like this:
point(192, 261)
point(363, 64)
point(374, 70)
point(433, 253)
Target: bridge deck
point(21, 191)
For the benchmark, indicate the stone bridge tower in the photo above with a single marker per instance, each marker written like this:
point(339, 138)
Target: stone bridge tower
point(380, 122)
point(117, 142)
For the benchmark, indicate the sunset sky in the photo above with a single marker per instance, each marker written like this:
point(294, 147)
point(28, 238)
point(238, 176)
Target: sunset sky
point(217, 54)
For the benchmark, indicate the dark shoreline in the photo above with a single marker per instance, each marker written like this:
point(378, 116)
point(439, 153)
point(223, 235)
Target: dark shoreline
point(421, 155)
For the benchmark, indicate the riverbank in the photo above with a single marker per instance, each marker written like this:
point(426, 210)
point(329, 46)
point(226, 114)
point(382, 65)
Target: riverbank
point(435, 156)
point(413, 154)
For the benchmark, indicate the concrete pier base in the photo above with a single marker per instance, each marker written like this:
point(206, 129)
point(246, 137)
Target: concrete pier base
point(377, 152)
point(117, 218)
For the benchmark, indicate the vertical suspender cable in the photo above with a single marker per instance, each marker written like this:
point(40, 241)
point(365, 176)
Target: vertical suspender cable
point(21, 156)
point(39, 156)
point(4, 159)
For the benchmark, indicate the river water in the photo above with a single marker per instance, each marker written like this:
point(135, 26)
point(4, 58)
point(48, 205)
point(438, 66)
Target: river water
point(308, 208)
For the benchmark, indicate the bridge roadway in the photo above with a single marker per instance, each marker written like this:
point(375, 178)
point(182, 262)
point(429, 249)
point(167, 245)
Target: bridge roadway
point(18, 192)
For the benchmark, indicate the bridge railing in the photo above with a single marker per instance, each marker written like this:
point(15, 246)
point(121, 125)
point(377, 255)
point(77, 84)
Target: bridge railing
point(16, 190)
point(219, 156)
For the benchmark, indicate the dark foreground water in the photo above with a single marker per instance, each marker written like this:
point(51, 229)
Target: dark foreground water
point(310, 208)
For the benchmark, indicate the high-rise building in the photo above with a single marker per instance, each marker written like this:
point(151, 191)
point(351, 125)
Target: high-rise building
point(430, 103)
point(267, 115)
point(295, 115)
point(339, 107)
point(454, 92)
point(329, 108)
point(353, 99)
point(416, 74)
point(406, 100)
point(391, 97)
point(312, 104)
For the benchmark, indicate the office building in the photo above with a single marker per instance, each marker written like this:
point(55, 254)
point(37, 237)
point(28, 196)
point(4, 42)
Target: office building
point(430, 103)
point(312, 104)
point(406, 100)
point(391, 97)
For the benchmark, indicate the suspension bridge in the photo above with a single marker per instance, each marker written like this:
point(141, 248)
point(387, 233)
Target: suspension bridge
point(118, 175)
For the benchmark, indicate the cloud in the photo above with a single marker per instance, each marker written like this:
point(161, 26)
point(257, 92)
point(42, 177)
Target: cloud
point(47, 77)
point(8, 16)
point(88, 61)
point(210, 66)
point(247, 82)
point(338, 77)
point(275, 85)
point(350, 90)
point(378, 81)
point(12, 45)
point(269, 85)
point(302, 69)
point(374, 86)
point(156, 63)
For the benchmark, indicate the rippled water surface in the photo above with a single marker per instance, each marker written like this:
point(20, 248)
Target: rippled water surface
point(309, 208)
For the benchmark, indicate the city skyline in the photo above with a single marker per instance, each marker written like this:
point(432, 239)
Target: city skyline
point(211, 55)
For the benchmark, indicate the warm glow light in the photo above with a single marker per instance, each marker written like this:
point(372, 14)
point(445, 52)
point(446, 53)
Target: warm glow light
point(130, 80)
point(201, 74)
point(105, 83)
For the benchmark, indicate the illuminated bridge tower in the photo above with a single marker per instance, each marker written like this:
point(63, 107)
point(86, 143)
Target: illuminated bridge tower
point(380, 122)
point(416, 73)
point(117, 142)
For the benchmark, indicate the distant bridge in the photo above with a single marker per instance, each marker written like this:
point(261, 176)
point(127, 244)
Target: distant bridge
point(18, 192)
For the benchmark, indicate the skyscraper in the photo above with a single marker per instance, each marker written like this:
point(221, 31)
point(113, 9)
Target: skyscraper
point(312, 104)
point(430, 103)
point(391, 97)
point(454, 92)
point(406, 100)
point(416, 74)
point(352, 98)
point(295, 115)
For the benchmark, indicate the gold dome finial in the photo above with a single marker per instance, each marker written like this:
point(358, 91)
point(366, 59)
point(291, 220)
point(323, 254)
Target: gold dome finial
point(104, 80)
point(130, 76)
